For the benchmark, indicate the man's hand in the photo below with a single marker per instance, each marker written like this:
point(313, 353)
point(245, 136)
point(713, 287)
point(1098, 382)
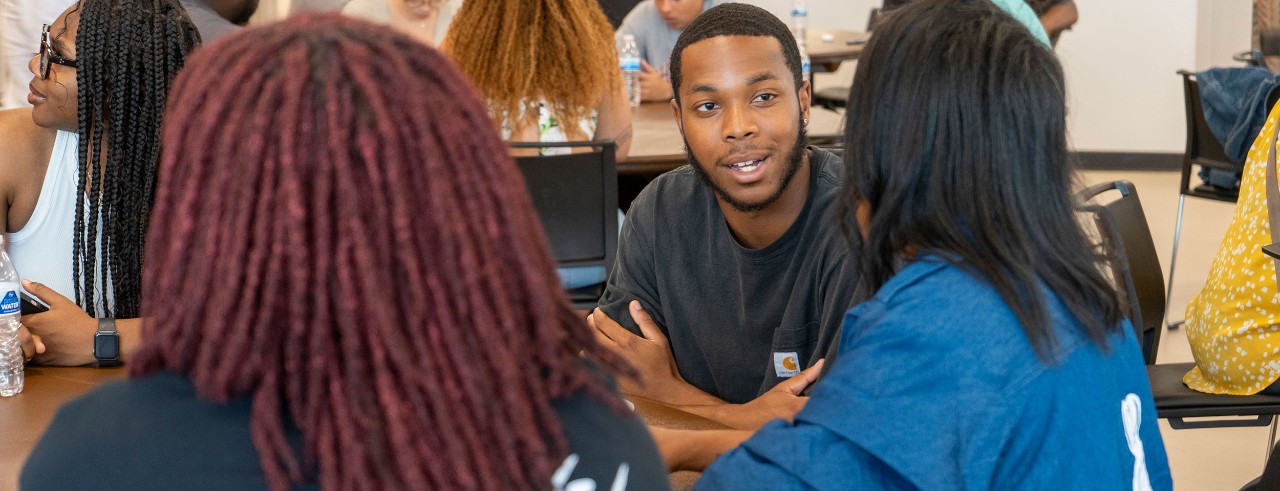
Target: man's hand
point(650, 355)
point(653, 86)
point(66, 331)
point(782, 401)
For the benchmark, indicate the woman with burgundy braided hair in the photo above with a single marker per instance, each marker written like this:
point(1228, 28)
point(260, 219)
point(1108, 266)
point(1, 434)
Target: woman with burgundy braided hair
point(346, 286)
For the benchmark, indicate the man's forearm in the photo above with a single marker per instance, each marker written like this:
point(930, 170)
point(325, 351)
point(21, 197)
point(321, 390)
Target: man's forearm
point(694, 450)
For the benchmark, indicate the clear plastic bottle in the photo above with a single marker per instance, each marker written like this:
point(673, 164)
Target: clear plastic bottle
point(805, 69)
point(11, 359)
point(799, 20)
point(629, 60)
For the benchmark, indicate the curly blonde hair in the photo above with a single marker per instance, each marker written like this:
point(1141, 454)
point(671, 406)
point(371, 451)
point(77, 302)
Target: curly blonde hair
point(560, 52)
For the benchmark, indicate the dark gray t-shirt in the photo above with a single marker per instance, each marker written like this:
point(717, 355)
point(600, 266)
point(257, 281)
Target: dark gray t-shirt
point(739, 320)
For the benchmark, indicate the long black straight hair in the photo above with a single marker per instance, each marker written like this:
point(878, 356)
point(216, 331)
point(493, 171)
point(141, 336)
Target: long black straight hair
point(956, 140)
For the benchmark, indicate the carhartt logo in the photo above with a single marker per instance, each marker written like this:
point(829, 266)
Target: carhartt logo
point(787, 364)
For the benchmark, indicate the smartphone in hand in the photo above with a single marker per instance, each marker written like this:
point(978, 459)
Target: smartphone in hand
point(32, 306)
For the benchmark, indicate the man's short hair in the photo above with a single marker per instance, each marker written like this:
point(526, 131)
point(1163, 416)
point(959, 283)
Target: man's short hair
point(735, 19)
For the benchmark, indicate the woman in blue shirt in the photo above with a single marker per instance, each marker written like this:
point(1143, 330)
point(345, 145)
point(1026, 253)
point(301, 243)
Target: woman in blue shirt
point(993, 353)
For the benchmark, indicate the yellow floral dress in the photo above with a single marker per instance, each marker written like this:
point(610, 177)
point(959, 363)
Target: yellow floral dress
point(1233, 324)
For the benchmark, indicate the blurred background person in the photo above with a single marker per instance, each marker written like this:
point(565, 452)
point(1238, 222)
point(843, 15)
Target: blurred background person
point(548, 69)
point(20, 22)
point(424, 20)
point(217, 18)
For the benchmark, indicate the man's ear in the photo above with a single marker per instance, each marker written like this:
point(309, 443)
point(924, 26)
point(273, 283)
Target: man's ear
point(806, 98)
point(675, 111)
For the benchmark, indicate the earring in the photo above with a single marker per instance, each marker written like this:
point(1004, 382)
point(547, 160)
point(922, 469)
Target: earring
point(806, 121)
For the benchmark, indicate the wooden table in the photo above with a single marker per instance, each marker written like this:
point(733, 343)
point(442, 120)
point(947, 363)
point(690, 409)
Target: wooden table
point(24, 417)
point(827, 55)
point(654, 413)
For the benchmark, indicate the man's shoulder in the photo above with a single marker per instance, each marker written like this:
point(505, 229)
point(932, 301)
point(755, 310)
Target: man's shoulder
point(830, 168)
point(676, 189)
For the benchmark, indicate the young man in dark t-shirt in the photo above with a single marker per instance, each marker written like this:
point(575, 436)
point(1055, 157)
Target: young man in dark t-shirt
point(740, 272)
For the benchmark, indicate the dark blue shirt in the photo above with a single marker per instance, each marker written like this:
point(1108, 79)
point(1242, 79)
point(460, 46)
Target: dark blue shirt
point(937, 387)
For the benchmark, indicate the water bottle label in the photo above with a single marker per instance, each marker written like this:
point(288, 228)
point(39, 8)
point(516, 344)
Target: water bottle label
point(9, 303)
point(629, 64)
point(799, 12)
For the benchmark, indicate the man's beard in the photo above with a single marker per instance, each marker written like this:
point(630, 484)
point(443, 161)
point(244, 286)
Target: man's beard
point(793, 162)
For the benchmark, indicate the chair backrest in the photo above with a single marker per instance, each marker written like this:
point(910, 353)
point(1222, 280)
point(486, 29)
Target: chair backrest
point(1202, 147)
point(576, 196)
point(1126, 243)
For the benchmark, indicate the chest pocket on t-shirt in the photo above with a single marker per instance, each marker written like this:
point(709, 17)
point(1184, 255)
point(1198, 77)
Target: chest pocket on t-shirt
point(790, 353)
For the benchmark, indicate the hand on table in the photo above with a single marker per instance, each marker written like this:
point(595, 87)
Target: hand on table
point(653, 86)
point(65, 331)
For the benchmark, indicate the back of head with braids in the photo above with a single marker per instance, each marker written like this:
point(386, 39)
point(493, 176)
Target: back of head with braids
point(128, 52)
point(407, 317)
point(560, 52)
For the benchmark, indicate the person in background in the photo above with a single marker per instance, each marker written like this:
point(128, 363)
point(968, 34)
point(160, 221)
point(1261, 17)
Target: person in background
point(217, 18)
point(656, 24)
point(367, 302)
point(20, 22)
point(79, 171)
point(1233, 322)
point(1023, 11)
point(731, 279)
point(425, 20)
point(994, 353)
point(1055, 15)
point(569, 87)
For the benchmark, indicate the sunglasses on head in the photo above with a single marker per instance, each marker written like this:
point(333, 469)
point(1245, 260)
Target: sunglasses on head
point(48, 57)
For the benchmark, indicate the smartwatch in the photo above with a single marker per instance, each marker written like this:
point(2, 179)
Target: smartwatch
point(106, 343)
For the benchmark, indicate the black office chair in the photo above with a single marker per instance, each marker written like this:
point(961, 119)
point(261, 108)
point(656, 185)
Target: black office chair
point(1126, 241)
point(1203, 150)
point(1270, 478)
point(576, 196)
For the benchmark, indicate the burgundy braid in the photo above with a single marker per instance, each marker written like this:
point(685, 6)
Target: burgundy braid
point(339, 233)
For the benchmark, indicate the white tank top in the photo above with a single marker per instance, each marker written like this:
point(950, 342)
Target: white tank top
point(41, 251)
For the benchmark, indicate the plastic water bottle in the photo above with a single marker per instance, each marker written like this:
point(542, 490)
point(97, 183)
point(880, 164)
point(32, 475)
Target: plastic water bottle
point(799, 20)
point(629, 60)
point(11, 359)
point(804, 63)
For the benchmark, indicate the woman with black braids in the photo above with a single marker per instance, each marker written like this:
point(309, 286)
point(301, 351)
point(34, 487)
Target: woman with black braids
point(78, 169)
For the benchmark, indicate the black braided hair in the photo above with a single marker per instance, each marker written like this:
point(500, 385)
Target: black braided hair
point(127, 53)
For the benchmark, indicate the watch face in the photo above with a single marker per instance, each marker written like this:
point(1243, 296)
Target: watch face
point(106, 346)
